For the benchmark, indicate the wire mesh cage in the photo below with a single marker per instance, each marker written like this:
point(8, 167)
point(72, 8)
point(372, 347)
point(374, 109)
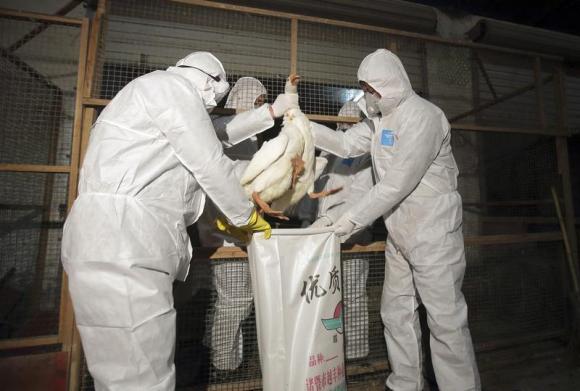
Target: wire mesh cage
point(140, 37)
point(38, 75)
point(504, 180)
point(38, 78)
point(32, 209)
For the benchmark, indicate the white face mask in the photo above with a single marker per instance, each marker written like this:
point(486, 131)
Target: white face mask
point(369, 105)
point(221, 89)
point(372, 103)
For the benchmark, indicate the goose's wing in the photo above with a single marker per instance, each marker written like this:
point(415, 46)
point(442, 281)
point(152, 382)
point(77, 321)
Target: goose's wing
point(265, 157)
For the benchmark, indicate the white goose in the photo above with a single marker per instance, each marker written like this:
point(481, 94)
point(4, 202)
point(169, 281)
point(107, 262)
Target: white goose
point(283, 170)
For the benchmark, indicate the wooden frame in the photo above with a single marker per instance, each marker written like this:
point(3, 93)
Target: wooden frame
point(89, 104)
point(71, 170)
point(358, 26)
point(486, 240)
point(21, 343)
point(9, 167)
point(36, 17)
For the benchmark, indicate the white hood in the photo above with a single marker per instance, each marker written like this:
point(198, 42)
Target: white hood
point(196, 68)
point(244, 94)
point(384, 72)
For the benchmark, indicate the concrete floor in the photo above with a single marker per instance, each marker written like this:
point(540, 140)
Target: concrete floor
point(545, 366)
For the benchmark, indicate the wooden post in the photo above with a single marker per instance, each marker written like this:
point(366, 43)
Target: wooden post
point(564, 161)
point(539, 92)
point(66, 322)
point(88, 115)
point(293, 46)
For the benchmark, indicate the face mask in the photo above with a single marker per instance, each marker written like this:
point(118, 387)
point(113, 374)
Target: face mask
point(221, 89)
point(386, 105)
point(369, 100)
point(372, 103)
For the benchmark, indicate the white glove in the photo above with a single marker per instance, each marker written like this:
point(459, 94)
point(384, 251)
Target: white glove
point(323, 221)
point(344, 228)
point(283, 103)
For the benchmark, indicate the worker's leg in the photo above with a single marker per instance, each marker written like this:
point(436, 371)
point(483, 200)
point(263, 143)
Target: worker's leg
point(233, 305)
point(401, 320)
point(438, 270)
point(126, 321)
point(356, 312)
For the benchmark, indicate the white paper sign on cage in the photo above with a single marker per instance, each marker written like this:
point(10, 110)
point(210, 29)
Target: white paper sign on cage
point(297, 285)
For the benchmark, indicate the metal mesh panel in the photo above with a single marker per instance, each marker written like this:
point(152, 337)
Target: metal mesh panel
point(146, 35)
point(32, 208)
point(515, 290)
point(329, 57)
point(449, 74)
point(37, 104)
point(505, 180)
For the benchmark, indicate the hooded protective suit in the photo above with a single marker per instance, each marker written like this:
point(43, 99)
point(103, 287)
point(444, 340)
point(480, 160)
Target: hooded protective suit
point(356, 178)
point(153, 156)
point(234, 294)
point(415, 193)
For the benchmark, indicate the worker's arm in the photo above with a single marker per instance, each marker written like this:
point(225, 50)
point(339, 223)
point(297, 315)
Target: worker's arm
point(179, 113)
point(353, 143)
point(416, 147)
point(234, 129)
point(355, 186)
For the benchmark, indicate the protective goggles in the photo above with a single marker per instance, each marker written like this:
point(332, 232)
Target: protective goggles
point(215, 78)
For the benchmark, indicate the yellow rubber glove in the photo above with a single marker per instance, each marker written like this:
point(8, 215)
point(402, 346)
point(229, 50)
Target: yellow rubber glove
point(244, 233)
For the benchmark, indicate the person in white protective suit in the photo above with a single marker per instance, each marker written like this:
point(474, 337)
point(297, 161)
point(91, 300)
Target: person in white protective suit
point(355, 177)
point(232, 278)
point(153, 156)
point(416, 194)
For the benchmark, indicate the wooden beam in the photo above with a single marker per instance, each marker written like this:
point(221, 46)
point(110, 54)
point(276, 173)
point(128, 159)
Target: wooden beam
point(293, 46)
point(482, 240)
point(358, 26)
point(486, 240)
point(19, 343)
point(511, 203)
point(499, 129)
point(332, 118)
point(564, 162)
point(503, 98)
point(93, 50)
point(10, 167)
point(95, 102)
point(89, 114)
point(66, 319)
point(539, 92)
point(36, 17)
point(242, 385)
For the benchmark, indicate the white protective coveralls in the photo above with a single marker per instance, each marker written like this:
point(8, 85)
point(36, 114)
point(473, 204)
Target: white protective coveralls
point(355, 177)
point(415, 193)
point(232, 278)
point(153, 156)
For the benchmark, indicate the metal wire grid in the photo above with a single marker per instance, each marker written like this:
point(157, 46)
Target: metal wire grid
point(487, 76)
point(38, 79)
point(141, 36)
point(505, 180)
point(329, 57)
point(573, 102)
point(515, 290)
point(32, 210)
point(449, 78)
